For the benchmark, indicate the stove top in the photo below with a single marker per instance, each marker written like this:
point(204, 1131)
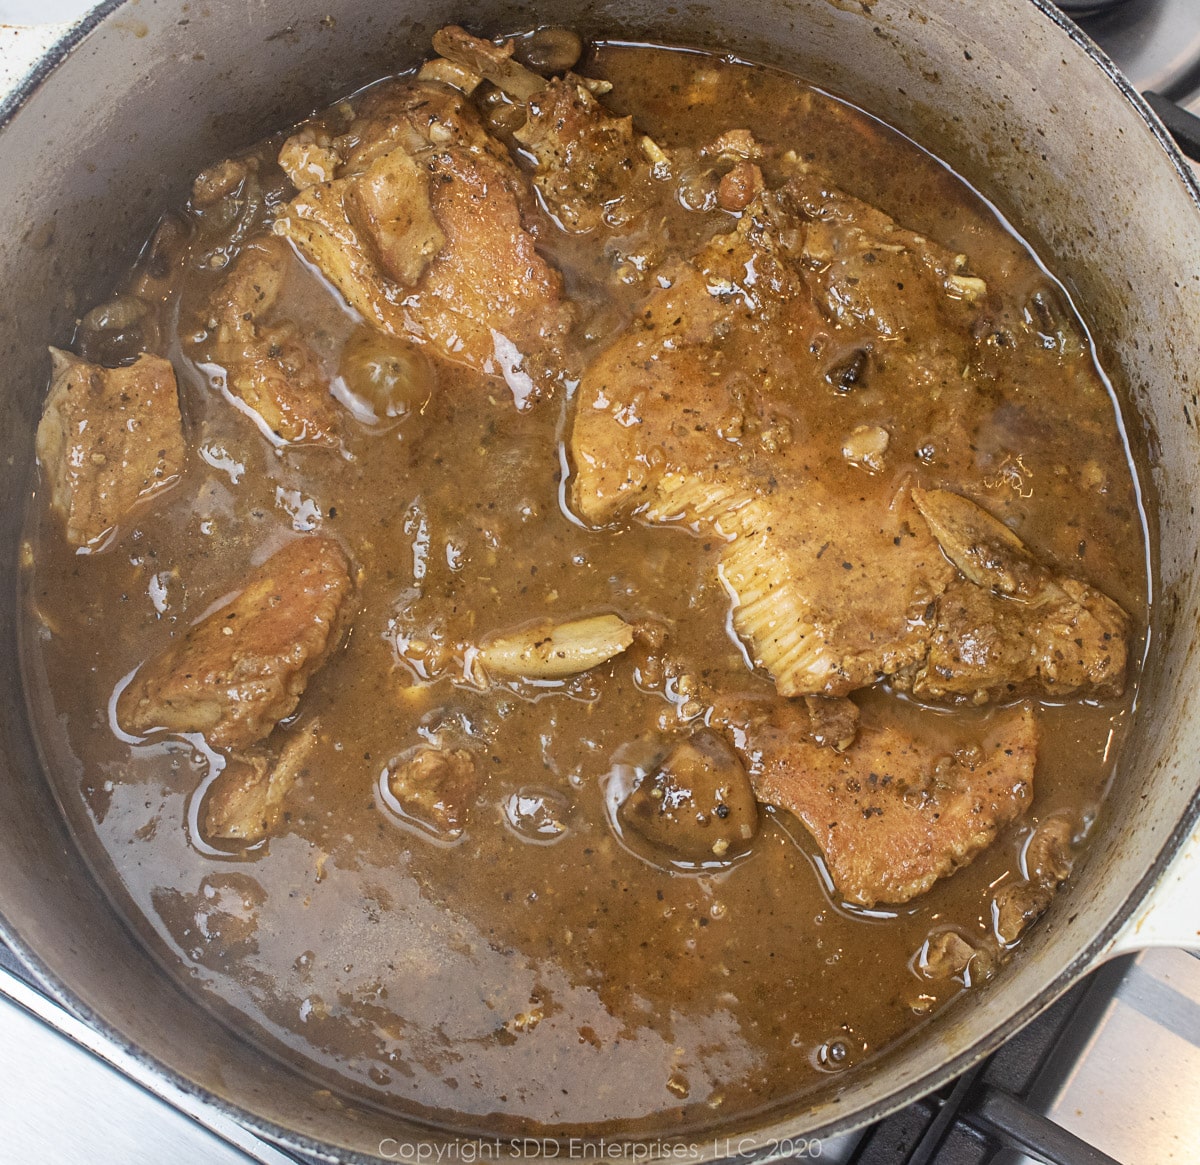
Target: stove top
point(1109, 1074)
point(1155, 42)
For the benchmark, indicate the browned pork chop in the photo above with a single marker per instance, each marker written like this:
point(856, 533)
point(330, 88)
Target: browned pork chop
point(682, 420)
point(239, 671)
point(108, 439)
point(893, 813)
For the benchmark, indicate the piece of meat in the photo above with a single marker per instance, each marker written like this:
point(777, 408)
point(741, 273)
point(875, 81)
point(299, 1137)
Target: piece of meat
point(593, 169)
point(308, 157)
point(389, 205)
point(489, 299)
point(109, 438)
point(893, 813)
point(240, 670)
point(868, 272)
point(415, 214)
point(734, 143)
point(434, 787)
point(830, 583)
point(815, 720)
point(245, 802)
point(269, 368)
point(372, 235)
point(1012, 625)
point(830, 593)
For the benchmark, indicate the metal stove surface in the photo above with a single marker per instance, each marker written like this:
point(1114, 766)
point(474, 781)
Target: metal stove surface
point(1110, 1073)
point(1156, 42)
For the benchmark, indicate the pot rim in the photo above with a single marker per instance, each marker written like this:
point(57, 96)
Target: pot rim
point(776, 1132)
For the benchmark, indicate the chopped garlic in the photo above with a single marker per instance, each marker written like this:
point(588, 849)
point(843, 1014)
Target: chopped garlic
point(555, 650)
point(866, 446)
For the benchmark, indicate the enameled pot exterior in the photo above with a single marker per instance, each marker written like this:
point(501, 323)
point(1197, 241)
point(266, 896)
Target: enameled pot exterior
point(145, 93)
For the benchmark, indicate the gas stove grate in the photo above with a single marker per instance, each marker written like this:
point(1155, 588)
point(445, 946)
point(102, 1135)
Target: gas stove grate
point(984, 1117)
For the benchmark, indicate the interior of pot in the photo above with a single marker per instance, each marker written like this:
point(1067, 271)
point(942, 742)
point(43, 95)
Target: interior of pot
point(996, 87)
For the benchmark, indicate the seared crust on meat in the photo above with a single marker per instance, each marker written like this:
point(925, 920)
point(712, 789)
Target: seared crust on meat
point(893, 813)
point(108, 439)
point(242, 669)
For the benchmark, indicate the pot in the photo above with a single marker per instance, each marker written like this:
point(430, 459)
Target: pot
point(127, 106)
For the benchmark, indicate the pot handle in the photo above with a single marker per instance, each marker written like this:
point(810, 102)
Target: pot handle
point(1169, 915)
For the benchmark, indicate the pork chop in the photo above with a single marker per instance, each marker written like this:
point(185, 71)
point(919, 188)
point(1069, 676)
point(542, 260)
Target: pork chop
point(893, 813)
point(269, 368)
point(682, 420)
point(415, 214)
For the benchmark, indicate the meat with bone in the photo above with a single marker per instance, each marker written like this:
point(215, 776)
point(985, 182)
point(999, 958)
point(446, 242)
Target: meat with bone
point(833, 585)
point(894, 812)
point(240, 670)
point(108, 439)
point(414, 213)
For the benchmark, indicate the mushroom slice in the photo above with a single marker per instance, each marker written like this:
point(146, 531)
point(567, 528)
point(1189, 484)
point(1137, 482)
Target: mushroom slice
point(697, 805)
point(495, 62)
point(554, 651)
